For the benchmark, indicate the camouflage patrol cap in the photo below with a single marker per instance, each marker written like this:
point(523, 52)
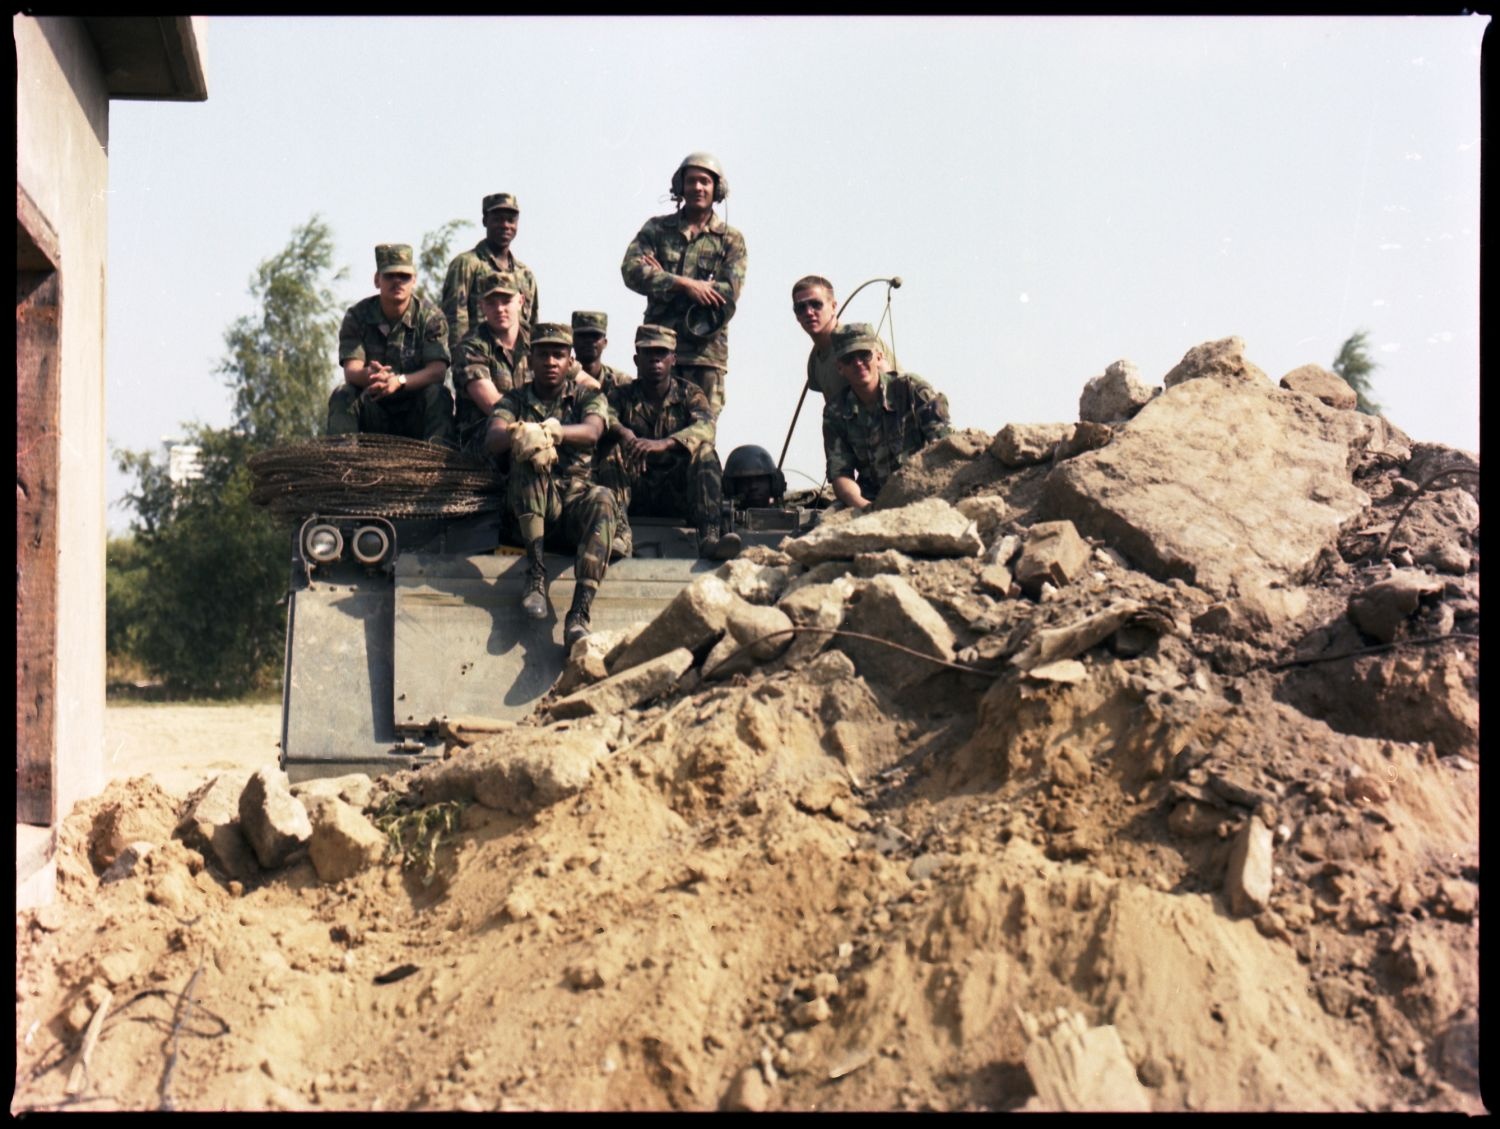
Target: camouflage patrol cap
point(655, 337)
point(590, 321)
point(500, 200)
point(551, 333)
point(394, 258)
point(853, 337)
point(491, 281)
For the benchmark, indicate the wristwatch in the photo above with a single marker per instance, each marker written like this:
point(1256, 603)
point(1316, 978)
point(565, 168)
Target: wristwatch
point(401, 379)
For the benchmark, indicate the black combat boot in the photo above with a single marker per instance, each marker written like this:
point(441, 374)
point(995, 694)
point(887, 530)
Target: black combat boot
point(534, 598)
point(576, 625)
point(713, 547)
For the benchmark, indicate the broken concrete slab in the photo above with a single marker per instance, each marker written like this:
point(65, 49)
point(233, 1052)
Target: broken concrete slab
point(272, 819)
point(1259, 611)
point(694, 619)
point(519, 776)
point(756, 583)
point(878, 564)
point(627, 689)
point(1053, 553)
point(1075, 1067)
point(889, 608)
point(1051, 645)
point(931, 528)
point(1247, 881)
point(343, 841)
point(1330, 387)
point(1381, 609)
point(988, 512)
point(1170, 494)
point(1025, 444)
point(815, 606)
point(588, 661)
point(753, 634)
point(210, 824)
point(1116, 395)
point(1223, 359)
point(354, 788)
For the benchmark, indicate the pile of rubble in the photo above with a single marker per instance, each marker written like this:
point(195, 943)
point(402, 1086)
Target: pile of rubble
point(1129, 763)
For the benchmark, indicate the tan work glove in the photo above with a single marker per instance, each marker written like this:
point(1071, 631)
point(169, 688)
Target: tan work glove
point(526, 439)
point(553, 428)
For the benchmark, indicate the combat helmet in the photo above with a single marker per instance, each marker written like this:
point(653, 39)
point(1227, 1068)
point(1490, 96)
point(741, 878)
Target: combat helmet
point(708, 163)
point(750, 462)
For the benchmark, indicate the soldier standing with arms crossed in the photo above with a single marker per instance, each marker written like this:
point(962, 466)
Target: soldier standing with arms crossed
point(690, 265)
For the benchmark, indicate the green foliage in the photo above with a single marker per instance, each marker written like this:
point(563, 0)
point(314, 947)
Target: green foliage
point(414, 834)
point(1354, 364)
point(282, 361)
point(126, 574)
point(433, 258)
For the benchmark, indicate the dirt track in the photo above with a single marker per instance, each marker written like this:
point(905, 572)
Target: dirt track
point(181, 746)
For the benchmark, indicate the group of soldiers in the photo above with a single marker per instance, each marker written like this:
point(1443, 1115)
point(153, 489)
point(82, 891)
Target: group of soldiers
point(582, 445)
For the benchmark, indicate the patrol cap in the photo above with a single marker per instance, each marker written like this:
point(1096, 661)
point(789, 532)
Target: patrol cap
point(500, 200)
point(394, 257)
point(853, 337)
point(502, 281)
point(655, 337)
point(551, 333)
point(590, 321)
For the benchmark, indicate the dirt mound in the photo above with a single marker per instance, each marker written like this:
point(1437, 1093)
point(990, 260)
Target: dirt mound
point(1228, 827)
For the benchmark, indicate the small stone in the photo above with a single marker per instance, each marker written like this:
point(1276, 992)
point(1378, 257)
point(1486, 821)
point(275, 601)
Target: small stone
point(747, 1093)
point(812, 1013)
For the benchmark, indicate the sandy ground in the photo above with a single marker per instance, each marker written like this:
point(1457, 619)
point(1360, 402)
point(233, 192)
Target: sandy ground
point(181, 746)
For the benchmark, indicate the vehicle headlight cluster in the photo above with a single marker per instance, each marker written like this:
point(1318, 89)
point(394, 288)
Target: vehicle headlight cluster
point(327, 542)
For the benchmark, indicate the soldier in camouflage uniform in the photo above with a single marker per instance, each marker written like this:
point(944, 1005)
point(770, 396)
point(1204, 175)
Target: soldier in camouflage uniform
point(816, 312)
point(691, 266)
point(549, 428)
point(393, 347)
point(878, 421)
point(490, 360)
point(658, 457)
point(502, 216)
point(590, 328)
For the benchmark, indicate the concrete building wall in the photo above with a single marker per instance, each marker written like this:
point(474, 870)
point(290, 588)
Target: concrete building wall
point(62, 138)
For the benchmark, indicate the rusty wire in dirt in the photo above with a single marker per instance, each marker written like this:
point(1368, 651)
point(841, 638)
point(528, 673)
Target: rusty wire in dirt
point(374, 475)
point(1373, 649)
point(1385, 545)
point(840, 632)
point(183, 1010)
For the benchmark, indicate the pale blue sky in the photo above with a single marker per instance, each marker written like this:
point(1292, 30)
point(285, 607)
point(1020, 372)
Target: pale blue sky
point(1057, 193)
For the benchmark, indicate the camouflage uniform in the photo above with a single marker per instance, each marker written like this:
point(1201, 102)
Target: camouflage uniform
point(481, 357)
point(716, 254)
point(410, 345)
point(461, 301)
point(563, 499)
point(682, 484)
point(870, 443)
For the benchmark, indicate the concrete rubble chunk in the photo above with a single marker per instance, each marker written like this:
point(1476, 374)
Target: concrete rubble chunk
point(623, 691)
point(126, 862)
point(1075, 1067)
point(694, 619)
point(516, 773)
point(1026, 444)
point(1081, 437)
point(931, 527)
point(1257, 612)
point(757, 583)
point(354, 788)
point(1247, 881)
point(1330, 387)
point(1118, 394)
point(878, 564)
point(1381, 609)
point(988, 512)
point(1170, 491)
point(272, 819)
point(1050, 645)
point(889, 608)
point(816, 605)
point(588, 660)
point(210, 824)
point(1053, 553)
point(343, 842)
point(1223, 359)
point(749, 624)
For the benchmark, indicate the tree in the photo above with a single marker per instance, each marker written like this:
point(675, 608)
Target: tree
point(433, 259)
point(1354, 364)
point(281, 361)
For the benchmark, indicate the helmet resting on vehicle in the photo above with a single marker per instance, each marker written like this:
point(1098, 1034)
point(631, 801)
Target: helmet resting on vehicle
point(747, 463)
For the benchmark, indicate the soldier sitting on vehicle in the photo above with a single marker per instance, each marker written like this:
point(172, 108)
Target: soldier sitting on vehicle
point(549, 427)
point(491, 360)
point(589, 340)
point(393, 347)
point(660, 458)
point(879, 421)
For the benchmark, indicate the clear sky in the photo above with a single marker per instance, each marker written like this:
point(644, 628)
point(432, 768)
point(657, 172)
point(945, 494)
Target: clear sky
point(1056, 193)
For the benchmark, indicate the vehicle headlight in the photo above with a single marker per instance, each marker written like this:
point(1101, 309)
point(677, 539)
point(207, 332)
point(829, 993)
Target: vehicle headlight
point(371, 544)
point(324, 543)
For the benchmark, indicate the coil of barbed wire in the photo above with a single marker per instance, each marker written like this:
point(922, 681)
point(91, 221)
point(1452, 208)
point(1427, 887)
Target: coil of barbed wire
point(381, 475)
